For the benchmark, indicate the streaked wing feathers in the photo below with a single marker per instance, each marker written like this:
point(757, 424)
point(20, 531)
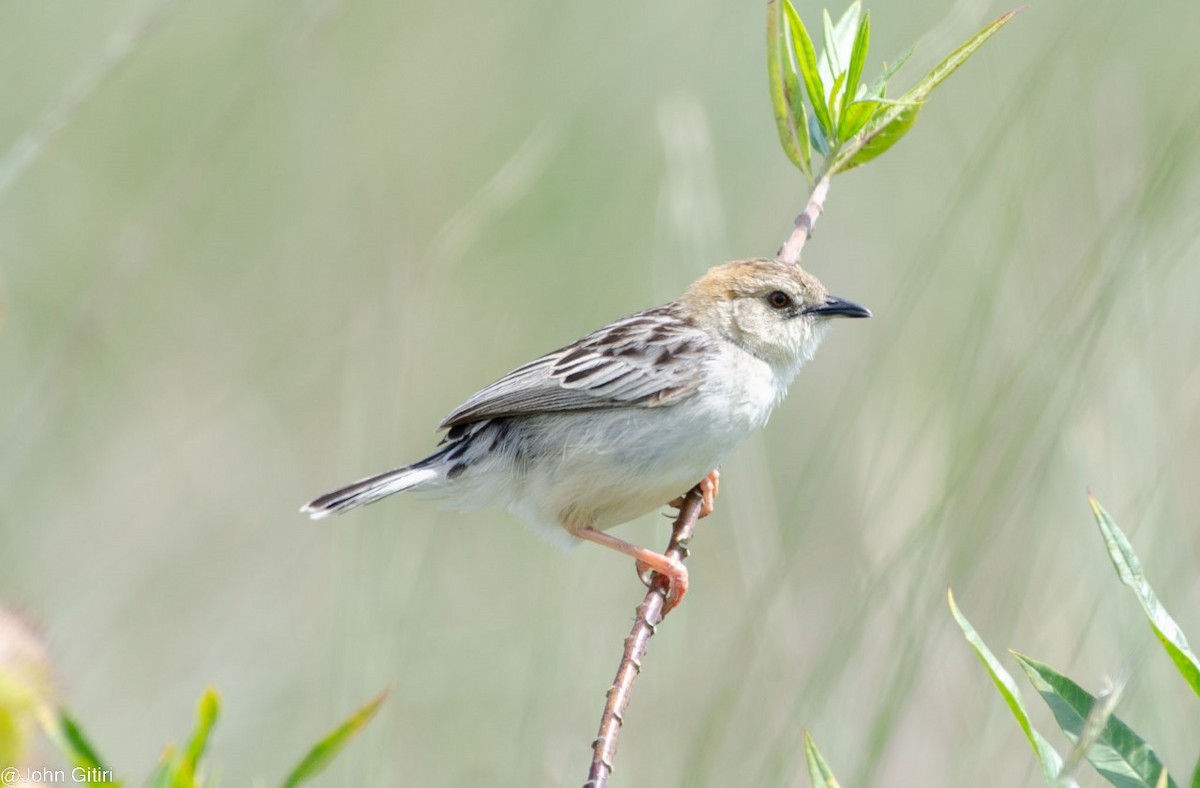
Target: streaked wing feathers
point(648, 359)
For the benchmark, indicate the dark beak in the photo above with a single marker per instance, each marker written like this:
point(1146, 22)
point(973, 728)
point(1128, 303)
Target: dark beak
point(839, 307)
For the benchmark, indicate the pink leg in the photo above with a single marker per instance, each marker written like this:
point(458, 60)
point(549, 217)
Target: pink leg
point(669, 569)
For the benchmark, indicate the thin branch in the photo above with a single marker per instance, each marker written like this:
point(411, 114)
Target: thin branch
point(649, 613)
point(802, 230)
point(648, 616)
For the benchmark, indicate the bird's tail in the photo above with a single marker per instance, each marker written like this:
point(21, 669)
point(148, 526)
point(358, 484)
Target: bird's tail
point(368, 491)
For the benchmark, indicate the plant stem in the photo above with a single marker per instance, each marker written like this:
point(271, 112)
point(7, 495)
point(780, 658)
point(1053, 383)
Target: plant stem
point(802, 230)
point(649, 614)
point(647, 617)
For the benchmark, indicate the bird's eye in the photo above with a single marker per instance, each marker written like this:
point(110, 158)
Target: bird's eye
point(779, 300)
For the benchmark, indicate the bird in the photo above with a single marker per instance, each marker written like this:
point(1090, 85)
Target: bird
point(628, 418)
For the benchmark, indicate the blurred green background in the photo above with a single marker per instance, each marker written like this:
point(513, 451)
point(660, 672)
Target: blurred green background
point(252, 250)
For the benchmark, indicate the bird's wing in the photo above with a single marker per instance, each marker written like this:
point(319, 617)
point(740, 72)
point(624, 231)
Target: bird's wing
point(649, 359)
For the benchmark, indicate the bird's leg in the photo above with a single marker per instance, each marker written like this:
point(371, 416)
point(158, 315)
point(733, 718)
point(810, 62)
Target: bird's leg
point(709, 486)
point(670, 570)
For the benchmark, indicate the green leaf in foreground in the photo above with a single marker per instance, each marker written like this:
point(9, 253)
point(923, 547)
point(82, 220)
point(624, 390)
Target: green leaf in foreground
point(73, 743)
point(1129, 569)
point(327, 749)
point(787, 99)
point(206, 717)
point(1048, 758)
point(1195, 782)
point(178, 769)
point(818, 770)
point(1120, 755)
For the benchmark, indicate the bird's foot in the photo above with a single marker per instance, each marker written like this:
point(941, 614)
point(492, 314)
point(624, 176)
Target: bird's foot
point(656, 570)
point(667, 574)
point(709, 486)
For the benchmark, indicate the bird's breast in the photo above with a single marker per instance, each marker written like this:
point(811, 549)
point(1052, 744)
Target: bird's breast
point(739, 392)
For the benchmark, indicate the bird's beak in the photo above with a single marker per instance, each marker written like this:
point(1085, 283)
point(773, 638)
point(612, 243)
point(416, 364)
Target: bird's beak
point(839, 307)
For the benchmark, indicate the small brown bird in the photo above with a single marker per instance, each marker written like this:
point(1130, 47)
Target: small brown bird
point(628, 418)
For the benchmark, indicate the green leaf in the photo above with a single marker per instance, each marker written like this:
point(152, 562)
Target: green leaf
point(206, 716)
point(817, 135)
point(1048, 758)
point(1195, 782)
point(950, 64)
point(857, 115)
point(327, 749)
point(178, 769)
point(803, 125)
point(1119, 754)
point(80, 749)
point(858, 59)
point(839, 41)
point(835, 102)
point(786, 97)
point(818, 770)
point(886, 130)
point(879, 89)
point(1093, 726)
point(831, 64)
point(71, 741)
point(69, 737)
point(806, 59)
point(846, 29)
point(1129, 569)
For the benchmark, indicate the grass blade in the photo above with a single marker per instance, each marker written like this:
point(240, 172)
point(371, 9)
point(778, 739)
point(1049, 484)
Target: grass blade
point(818, 770)
point(1119, 754)
point(1129, 569)
point(327, 749)
point(1048, 758)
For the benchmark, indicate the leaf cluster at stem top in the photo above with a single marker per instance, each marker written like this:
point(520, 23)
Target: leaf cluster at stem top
point(819, 101)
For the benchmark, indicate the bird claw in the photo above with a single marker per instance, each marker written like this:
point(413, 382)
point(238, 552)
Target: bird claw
point(709, 486)
point(672, 579)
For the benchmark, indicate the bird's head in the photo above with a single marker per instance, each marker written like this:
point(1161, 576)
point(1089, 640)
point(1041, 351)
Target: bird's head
point(776, 311)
